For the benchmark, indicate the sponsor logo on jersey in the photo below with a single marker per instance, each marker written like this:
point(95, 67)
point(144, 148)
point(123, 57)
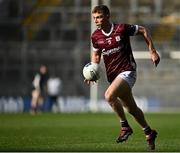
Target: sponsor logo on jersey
point(110, 51)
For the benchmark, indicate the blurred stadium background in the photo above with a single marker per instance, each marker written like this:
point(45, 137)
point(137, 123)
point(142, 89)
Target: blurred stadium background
point(57, 33)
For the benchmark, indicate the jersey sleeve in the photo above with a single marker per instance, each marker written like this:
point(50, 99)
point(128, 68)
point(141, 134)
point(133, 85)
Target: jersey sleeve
point(131, 30)
point(94, 44)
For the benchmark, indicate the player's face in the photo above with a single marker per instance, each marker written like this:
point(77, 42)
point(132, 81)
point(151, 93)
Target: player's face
point(43, 69)
point(99, 19)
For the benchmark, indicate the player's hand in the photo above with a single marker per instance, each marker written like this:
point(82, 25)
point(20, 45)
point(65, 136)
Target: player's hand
point(155, 57)
point(89, 82)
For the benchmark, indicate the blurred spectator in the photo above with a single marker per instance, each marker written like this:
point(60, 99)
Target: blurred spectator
point(54, 88)
point(39, 89)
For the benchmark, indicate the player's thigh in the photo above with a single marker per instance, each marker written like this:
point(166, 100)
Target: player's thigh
point(40, 99)
point(35, 95)
point(118, 88)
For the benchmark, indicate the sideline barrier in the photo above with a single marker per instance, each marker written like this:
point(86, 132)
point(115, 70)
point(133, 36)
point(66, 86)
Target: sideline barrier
point(69, 104)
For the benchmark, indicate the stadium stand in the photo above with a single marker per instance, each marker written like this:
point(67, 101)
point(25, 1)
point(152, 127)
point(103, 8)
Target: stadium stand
point(57, 32)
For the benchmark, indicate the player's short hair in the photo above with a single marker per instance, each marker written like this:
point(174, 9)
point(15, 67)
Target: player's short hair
point(101, 8)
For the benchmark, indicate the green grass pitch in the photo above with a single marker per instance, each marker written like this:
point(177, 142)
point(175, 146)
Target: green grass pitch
point(84, 132)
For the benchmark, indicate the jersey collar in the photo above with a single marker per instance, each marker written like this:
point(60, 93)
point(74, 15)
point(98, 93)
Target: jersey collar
point(108, 34)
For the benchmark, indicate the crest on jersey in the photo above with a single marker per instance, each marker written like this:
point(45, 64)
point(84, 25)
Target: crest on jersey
point(118, 38)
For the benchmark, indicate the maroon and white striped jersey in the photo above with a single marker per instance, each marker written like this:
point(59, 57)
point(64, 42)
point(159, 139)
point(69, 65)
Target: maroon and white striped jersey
point(115, 48)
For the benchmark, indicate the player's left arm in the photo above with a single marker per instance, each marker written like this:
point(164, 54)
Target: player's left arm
point(147, 37)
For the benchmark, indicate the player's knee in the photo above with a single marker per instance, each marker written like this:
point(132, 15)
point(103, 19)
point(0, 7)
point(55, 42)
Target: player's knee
point(109, 97)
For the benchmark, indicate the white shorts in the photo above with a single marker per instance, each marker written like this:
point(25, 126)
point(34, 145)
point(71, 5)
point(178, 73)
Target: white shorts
point(129, 77)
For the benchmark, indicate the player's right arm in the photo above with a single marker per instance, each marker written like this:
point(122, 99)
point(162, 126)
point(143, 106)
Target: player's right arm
point(95, 58)
point(95, 54)
point(96, 51)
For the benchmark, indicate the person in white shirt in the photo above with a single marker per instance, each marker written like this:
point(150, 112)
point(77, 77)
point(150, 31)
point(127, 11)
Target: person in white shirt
point(54, 85)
